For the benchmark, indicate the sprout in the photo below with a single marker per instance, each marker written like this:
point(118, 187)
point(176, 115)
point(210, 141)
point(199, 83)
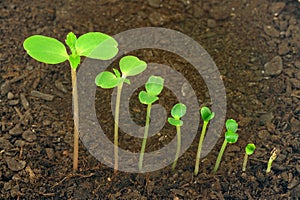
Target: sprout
point(274, 153)
point(51, 51)
point(206, 115)
point(129, 66)
point(249, 150)
point(177, 112)
point(230, 137)
point(154, 86)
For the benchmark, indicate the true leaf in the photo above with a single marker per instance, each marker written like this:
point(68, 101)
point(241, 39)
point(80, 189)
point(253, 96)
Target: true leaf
point(231, 137)
point(206, 114)
point(107, 80)
point(178, 111)
point(117, 73)
point(45, 49)
point(154, 85)
point(145, 98)
point(131, 66)
point(96, 45)
point(71, 41)
point(250, 148)
point(231, 125)
point(175, 122)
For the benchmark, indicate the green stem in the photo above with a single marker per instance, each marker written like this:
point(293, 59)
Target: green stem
point(205, 123)
point(116, 129)
point(145, 137)
point(75, 117)
point(220, 156)
point(178, 147)
point(245, 162)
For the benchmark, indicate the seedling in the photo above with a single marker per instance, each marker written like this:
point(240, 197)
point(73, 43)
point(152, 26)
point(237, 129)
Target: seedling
point(154, 86)
point(274, 153)
point(230, 137)
point(48, 50)
point(177, 112)
point(129, 66)
point(249, 150)
point(206, 115)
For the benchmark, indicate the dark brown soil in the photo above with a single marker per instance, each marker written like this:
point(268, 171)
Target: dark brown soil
point(243, 37)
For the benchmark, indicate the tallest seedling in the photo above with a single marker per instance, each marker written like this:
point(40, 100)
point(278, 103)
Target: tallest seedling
point(48, 50)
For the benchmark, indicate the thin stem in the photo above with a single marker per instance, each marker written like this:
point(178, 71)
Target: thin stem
point(116, 128)
point(200, 147)
point(245, 162)
point(178, 147)
point(75, 117)
point(145, 137)
point(220, 156)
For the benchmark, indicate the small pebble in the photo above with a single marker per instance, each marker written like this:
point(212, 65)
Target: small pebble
point(271, 31)
point(15, 131)
point(29, 136)
point(154, 3)
point(15, 165)
point(274, 67)
point(13, 102)
point(10, 96)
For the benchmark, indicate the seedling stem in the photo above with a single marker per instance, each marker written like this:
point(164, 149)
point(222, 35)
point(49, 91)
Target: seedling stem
point(178, 147)
point(145, 137)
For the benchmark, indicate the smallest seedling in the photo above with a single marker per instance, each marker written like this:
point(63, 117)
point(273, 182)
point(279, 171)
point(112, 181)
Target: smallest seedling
point(177, 112)
point(249, 150)
point(274, 154)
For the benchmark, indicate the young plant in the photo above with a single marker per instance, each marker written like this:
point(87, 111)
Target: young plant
point(274, 154)
point(206, 115)
point(129, 66)
point(230, 137)
point(249, 150)
point(48, 50)
point(177, 112)
point(154, 86)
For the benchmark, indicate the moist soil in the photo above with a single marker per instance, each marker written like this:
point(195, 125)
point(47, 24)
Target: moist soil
point(255, 45)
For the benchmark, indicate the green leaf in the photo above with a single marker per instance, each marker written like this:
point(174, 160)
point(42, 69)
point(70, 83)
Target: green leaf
point(96, 45)
point(231, 137)
point(131, 66)
point(127, 81)
point(206, 114)
point(250, 148)
point(178, 110)
point(74, 61)
point(175, 122)
point(71, 41)
point(145, 98)
point(107, 80)
point(117, 73)
point(231, 125)
point(154, 85)
point(45, 49)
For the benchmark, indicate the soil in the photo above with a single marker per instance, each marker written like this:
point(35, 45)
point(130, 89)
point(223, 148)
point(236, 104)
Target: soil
point(256, 46)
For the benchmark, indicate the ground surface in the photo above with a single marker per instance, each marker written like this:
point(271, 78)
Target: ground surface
point(256, 46)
